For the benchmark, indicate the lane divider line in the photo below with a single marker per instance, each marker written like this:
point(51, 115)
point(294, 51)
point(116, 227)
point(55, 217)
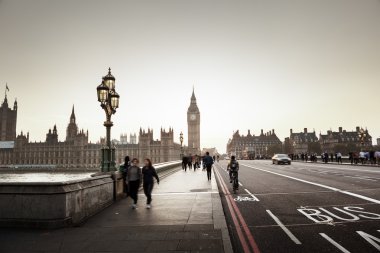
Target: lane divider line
point(370, 240)
point(237, 212)
point(319, 185)
point(340, 247)
point(341, 168)
point(253, 196)
point(362, 178)
point(285, 229)
point(241, 184)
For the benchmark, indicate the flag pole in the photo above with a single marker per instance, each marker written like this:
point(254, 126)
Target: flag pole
point(6, 89)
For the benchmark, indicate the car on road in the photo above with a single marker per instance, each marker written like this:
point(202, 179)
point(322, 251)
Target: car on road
point(281, 159)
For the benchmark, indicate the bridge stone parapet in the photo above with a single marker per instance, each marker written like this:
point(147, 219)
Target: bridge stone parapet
point(61, 204)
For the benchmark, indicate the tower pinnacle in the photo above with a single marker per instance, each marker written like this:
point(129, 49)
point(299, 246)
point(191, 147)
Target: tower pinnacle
point(72, 117)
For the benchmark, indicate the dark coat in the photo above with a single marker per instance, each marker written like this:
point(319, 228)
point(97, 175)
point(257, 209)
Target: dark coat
point(148, 174)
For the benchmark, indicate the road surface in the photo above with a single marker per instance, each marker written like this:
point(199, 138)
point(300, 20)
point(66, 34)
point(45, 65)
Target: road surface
point(302, 207)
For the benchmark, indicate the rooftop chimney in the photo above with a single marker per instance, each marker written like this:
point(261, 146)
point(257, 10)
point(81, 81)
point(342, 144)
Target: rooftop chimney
point(340, 129)
point(305, 130)
point(273, 131)
point(357, 129)
point(291, 131)
point(262, 132)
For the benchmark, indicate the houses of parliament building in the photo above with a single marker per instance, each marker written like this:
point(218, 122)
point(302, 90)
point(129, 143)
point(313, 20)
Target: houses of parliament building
point(76, 152)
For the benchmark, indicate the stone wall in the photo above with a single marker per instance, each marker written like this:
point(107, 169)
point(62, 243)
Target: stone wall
point(60, 204)
point(54, 205)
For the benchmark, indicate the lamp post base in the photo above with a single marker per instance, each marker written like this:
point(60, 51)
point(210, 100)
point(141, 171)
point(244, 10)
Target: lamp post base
point(108, 159)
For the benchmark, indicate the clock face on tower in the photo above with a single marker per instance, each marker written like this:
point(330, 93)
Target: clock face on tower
point(193, 117)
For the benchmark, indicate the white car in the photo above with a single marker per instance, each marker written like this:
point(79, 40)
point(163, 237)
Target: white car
point(281, 159)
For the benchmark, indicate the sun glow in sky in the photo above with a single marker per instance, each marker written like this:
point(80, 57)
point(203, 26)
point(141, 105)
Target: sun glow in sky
point(255, 64)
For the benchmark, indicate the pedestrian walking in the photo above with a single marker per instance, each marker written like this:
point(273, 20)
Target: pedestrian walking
point(124, 170)
point(149, 173)
point(190, 162)
point(208, 162)
point(134, 180)
point(196, 162)
point(339, 157)
point(184, 163)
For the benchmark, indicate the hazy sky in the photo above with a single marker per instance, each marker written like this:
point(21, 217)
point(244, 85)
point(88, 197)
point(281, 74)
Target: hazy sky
point(255, 64)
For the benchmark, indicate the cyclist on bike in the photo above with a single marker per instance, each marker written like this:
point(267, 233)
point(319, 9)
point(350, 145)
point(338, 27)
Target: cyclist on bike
point(233, 166)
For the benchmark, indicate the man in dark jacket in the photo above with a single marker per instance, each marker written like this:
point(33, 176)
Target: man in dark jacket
point(184, 163)
point(208, 162)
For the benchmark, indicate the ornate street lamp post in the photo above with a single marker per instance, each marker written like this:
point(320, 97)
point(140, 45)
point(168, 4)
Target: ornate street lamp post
point(181, 140)
point(109, 101)
point(362, 135)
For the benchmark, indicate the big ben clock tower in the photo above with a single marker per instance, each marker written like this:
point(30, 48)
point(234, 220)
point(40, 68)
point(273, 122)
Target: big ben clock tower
point(194, 126)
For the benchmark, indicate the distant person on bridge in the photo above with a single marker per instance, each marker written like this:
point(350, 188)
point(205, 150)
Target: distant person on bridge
point(189, 162)
point(134, 176)
point(184, 163)
point(208, 161)
point(149, 172)
point(196, 162)
point(339, 157)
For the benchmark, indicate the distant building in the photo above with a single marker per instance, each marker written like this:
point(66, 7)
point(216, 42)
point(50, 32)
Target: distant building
point(301, 142)
point(124, 139)
point(344, 141)
point(212, 151)
point(194, 128)
point(76, 152)
point(133, 139)
point(249, 146)
point(8, 121)
point(378, 141)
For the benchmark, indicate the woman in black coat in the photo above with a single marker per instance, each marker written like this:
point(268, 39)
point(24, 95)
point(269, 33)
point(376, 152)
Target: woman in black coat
point(149, 173)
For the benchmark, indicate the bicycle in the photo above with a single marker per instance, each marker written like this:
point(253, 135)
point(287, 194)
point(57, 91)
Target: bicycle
point(235, 181)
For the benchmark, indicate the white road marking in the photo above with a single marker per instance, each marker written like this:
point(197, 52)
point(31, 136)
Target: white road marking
point(320, 185)
point(179, 193)
point(340, 247)
point(285, 229)
point(368, 177)
point(337, 168)
point(370, 239)
point(253, 196)
point(240, 184)
point(361, 178)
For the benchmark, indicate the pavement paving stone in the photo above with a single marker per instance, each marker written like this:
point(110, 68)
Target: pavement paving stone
point(164, 245)
point(201, 245)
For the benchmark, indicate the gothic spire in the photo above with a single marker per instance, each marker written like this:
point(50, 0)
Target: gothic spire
point(193, 98)
point(72, 117)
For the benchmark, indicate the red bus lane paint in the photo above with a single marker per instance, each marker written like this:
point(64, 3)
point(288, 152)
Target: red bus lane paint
point(242, 221)
point(248, 233)
point(234, 218)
